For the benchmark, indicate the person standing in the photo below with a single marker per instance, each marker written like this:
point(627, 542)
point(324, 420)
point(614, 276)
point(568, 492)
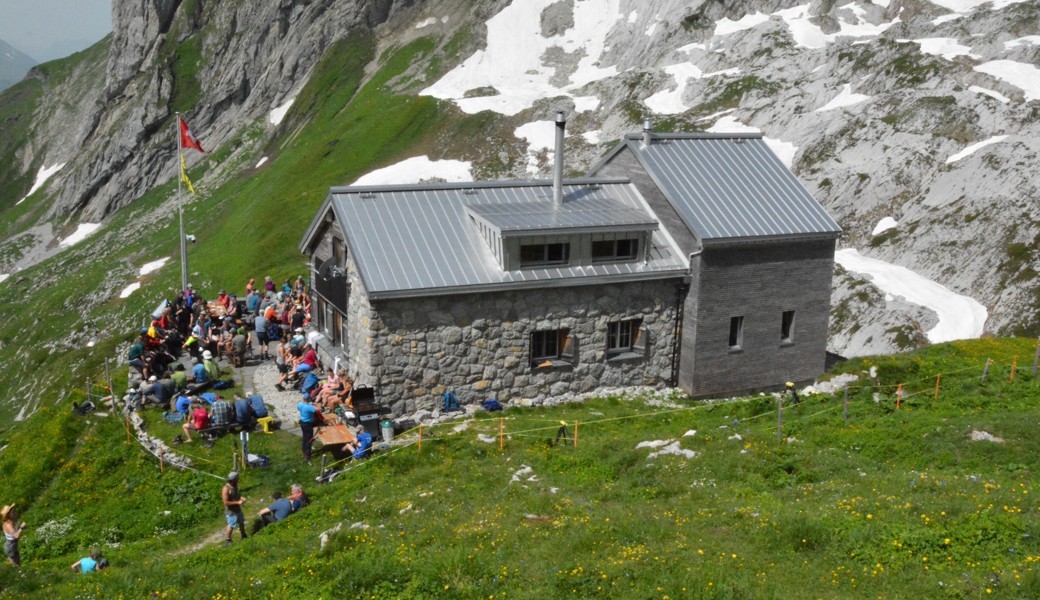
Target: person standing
point(308, 418)
point(12, 533)
point(233, 502)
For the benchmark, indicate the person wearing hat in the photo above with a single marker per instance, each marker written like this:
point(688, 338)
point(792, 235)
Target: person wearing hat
point(309, 416)
point(794, 393)
point(223, 299)
point(239, 346)
point(12, 533)
point(212, 370)
point(233, 502)
point(198, 370)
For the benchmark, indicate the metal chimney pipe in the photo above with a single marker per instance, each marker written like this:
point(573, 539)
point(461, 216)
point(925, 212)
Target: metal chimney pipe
point(647, 132)
point(561, 125)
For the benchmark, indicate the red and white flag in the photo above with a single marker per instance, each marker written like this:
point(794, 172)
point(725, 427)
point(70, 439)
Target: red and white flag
point(188, 139)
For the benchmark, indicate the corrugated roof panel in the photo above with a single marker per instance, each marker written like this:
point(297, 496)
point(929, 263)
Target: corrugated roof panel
point(732, 187)
point(414, 239)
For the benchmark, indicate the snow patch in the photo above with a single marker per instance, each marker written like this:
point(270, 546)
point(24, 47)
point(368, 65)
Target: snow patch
point(260, 162)
point(975, 147)
point(960, 317)
point(809, 35)
point(418, 169)
point(729, 124)
point(427, 22)
point(42, 176)
point(1024, 76)
point(130, 289)
point(653, 444)
point(278, 114)
point(884, 225)
point(592, 137)
point(843, 99)
point(153, 266)
point(487, 439)
point(4, 276)
point(81, 233)
point(965, 6)
point(511, 63)
point(669, 102)
point(946, 18)
point(990, 93)
point(1029, 40)
point(982, 436)
point(675, 450)
point(728, 26)
point(947, 48)
point(540, 136)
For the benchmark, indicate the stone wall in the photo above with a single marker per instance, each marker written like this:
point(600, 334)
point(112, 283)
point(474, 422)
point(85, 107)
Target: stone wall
point(478, 344)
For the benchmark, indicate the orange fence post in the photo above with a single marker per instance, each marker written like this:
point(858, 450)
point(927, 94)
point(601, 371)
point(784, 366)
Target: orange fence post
point(127, 421)
point(1014, 363)
point(937, 377)
point(899, 396)
point(575, 434)
point(160, 459)
point(501, 433)
point(420, 436)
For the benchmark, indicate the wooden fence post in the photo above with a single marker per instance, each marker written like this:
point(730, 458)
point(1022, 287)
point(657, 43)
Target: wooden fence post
point(127, 421)
point(899, 395)
point(575, 434)
point(937, 378)
point(985, 370)
point(845, 405)
point(1014, 364)
point(1036, 358)
point(420, 436)
point(780, 418)
point(160, 459)
point(501, 433)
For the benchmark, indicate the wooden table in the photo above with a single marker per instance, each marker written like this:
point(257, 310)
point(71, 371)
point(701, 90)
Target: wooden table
point(334, 433)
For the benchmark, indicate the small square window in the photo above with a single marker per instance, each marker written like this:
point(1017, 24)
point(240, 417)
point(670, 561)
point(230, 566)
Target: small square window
point(787, 327)
point(736, 333)
point(625, 336)
point(552, 347)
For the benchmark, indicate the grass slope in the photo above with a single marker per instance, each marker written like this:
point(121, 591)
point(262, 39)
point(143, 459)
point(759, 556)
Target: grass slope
point(890, 504)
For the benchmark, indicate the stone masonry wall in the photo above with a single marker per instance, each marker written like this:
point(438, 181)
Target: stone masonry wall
point(478, 344)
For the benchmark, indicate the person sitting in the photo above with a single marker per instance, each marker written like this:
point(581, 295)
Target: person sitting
point(279, 510)
point(182, 405)
point(158, 392)
point(251, 286)
point(179, 377)
point(298, 497)
point(307, 360)
point(198, 422)
point(256, 405)
point(212, 370)
point(93, 562)
point(253, 300)
point(136, 356)
point(243, 411)
point(223, 299)
point(239, 347)
point(198, 371)
point(362, 446)
point(221, 415)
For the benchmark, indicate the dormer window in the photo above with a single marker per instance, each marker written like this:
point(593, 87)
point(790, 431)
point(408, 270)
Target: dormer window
point(536, 255)
point(615, 250)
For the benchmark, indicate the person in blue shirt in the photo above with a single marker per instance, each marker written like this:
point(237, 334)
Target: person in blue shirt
point(183, 404)
point(364, 445)
point(90, 563)
point(256, 403)
point(279, 510)
point(198, 371)
point(242, 411)
point(308, 418)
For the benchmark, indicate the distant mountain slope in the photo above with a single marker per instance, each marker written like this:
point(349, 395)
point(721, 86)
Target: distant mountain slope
point(14, 64)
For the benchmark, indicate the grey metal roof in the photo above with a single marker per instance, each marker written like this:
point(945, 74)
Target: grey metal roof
point(413, 240)
point(581, 211)
point(731, 187)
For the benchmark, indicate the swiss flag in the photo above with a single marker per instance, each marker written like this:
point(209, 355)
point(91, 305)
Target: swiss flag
point(188, 139)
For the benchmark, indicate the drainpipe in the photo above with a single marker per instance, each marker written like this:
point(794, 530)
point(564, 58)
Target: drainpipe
point(682, 289)
point(561, 124)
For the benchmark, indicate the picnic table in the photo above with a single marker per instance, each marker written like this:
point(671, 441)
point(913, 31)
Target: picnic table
point(334, 432)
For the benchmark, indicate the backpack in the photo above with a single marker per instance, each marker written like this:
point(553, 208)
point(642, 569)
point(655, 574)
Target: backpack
point(492, 405)
point(223, 384)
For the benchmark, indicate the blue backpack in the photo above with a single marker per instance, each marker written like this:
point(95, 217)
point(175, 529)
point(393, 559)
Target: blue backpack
point(451, 402)
point(492, 405)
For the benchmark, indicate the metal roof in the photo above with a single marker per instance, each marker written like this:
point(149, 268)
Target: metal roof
point(730, 187)
point(415, 240)
point(583, 211)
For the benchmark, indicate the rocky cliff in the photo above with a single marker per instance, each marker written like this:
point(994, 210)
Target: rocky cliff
point(922, 112)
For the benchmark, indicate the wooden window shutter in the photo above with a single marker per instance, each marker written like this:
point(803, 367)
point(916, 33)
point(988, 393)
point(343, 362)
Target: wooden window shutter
point(568, 345)
point(641, 340)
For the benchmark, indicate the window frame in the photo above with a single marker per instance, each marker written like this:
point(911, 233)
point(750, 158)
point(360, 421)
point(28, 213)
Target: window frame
point(787, 320)
point(615, 255)
point(631, 331)
point(736, 334)
point(545, 260)
point(565, 344)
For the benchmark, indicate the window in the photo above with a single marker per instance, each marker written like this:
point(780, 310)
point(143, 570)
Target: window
point(552, 347)
point(532, 255)
point(787, 327)
point(339, 252)
point(615, 250)
point(626, 336)
point(736, 332)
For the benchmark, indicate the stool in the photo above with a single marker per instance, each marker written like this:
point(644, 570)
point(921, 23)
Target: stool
point(266, 422)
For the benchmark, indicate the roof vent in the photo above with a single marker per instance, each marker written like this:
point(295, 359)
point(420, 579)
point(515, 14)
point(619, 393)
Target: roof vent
point(648, 132)
point(367, 196)
point(561, 125)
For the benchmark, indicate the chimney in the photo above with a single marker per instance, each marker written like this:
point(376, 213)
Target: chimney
point(647, 133)
point(561, 125)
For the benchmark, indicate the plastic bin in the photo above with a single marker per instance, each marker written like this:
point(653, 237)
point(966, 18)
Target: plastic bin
point(387, 428)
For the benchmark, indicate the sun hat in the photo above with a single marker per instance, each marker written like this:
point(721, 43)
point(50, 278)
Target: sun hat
point(5, 510)
point(206, 354)
point(232, 476)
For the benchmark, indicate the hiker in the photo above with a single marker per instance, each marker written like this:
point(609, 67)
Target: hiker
point(308, 419)
point(182, 405)
point(221, 412)
point(212, 370)
point(362, 446)
point(233, 502)
point(198, 371)
point(256, 405)
point(298, 497)
point(12, 533)
point(279, 510)
point(179, 377)
point(137, 357)
point(199, 421)
point(93, 562)
point(262, 340)
point(239, 346)
point(243, 411)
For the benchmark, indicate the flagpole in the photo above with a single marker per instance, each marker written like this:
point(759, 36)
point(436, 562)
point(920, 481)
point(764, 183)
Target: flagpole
point(180, 205)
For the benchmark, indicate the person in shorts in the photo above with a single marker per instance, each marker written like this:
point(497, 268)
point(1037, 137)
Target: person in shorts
point(233, 502)
point(12, 533)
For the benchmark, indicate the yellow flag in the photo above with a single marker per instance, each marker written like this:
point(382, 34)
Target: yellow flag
point(184, 176)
